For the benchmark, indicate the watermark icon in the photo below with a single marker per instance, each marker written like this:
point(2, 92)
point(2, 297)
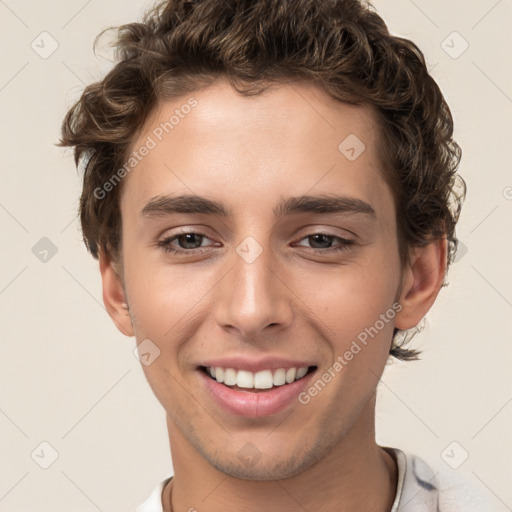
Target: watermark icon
point(351, 147)
point(44, 45)
point(144, 149)
point(462, 250)
point(454, 45)
point(454, 455)
point(507, 193)
point(146, 352)
point(44, 455)
point(354, 349)
point(249, 454)
point(44, 250)
point(249, 249)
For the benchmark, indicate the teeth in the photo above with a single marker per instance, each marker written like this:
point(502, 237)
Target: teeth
point(244, 379)
point(301, 372)
point(279, 377)
point(264, 379)
point(290, 375)
point(230, 377)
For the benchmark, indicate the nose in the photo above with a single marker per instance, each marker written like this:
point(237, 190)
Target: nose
point(253, 299)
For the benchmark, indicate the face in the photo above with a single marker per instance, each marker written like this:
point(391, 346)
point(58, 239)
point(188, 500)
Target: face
point(284, 256)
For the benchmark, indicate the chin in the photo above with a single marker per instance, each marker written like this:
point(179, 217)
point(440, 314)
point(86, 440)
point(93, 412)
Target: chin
point(262, 474)
point(265, 468)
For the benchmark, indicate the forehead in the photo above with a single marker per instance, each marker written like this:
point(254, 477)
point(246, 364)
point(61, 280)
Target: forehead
point(290, 139)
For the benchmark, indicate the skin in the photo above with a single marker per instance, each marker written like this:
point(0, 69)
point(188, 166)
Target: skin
point(249, 153)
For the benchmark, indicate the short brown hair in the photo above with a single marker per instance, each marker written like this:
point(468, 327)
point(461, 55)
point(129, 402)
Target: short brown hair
point(342, 46)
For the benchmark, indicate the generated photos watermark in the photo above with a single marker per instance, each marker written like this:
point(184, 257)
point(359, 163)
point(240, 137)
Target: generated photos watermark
point(354, 349)
point(145, 148)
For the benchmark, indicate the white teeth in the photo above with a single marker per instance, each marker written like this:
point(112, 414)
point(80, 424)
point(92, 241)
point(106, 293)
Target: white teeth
point(264, 379)
point(290, 375)
point(219, 374)
point(279, 377)
point(230, 377)
point(244, 379)
point(301, 372)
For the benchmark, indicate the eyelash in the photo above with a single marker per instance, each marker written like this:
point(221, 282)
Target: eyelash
point(165, 244)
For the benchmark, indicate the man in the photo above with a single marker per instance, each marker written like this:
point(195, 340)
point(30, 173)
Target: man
point(270, 189)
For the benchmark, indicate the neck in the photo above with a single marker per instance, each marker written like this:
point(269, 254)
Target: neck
point(356, 474)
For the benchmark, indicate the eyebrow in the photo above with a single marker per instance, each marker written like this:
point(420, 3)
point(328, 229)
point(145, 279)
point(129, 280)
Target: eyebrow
point(160, 206)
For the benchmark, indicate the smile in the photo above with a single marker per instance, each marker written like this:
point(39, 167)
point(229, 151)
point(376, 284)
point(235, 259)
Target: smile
point(257, 394)
point(264, 379)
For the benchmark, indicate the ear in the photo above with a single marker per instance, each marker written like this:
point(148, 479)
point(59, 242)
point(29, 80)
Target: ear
point(114, 296)
point(421, 283)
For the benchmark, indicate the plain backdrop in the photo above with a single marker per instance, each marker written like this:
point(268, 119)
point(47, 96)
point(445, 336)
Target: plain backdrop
point(70, 380)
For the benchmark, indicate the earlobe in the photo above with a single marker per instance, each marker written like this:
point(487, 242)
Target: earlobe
point(114, 296)
point(422, 281)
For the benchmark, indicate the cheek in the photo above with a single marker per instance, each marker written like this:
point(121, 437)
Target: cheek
point(164, 301)
point(162, 295)
point(356, 314)
point(351, 295)
point(355, 302)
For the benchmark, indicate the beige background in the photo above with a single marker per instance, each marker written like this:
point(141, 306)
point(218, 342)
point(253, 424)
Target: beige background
point(70, 379)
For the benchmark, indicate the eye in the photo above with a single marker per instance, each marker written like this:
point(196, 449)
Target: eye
point(186, 242)
point(324, 242)
point(191, 241)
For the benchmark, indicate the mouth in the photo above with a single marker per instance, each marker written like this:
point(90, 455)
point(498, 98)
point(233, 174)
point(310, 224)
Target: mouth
point(256, 387)
point(257, 382)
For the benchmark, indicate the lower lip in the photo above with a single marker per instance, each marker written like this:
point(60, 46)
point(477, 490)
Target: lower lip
point(255, 404)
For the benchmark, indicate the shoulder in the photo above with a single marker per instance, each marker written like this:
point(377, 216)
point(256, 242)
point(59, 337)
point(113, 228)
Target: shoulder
point(424, 488)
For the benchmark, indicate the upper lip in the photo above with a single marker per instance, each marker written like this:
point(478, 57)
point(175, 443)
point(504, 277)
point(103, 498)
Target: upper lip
point(255, 365)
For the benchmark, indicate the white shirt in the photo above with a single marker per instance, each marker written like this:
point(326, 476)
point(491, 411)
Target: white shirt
point(419, 489)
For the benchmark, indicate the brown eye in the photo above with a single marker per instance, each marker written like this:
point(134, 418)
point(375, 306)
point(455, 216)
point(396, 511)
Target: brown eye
point(189, 240)
point(323, 242)
point(183, 242)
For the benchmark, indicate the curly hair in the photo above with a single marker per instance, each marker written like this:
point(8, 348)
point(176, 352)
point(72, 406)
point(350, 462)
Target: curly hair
point(342, 46)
